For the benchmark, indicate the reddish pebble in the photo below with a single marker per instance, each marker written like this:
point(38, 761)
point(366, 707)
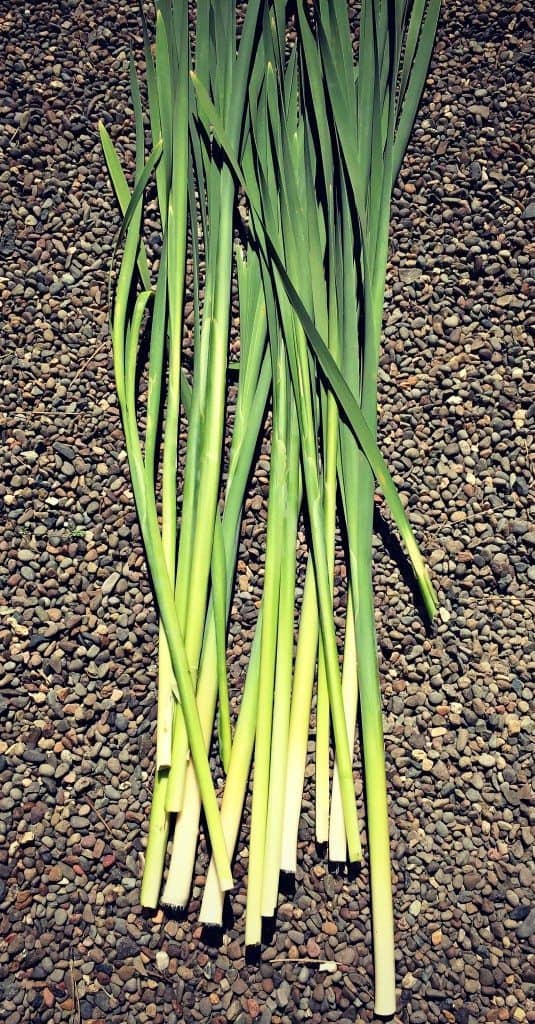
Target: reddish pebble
point(48, 998)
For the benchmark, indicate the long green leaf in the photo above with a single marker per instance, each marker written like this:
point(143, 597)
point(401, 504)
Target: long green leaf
point(351, 411)
point(334, 379)
point(414, 88)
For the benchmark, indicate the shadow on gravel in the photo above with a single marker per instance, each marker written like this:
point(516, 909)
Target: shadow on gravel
point(398, 555)
point(212, 934)
point(341, 869)
point(287, 883)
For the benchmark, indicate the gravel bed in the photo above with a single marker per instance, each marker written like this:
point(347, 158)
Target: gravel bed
point(77, 625)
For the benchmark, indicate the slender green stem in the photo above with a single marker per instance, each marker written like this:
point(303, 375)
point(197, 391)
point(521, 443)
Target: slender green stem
point(157, 842)
point(322, 708)
point(283, 673)
point(320, 556)
point(337, 834)
point(125, 361)
point(237, 779)
point(268, 649)
point(176, 224)
point(322, 705)
point(255, 377)
point(303, 681)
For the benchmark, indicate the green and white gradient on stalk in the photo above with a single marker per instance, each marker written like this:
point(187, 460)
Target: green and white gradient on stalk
point(313, 142)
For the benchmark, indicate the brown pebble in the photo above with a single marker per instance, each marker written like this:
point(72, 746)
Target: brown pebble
point(329, 928)
point(471, 986)
point(313, 950)
point(471, 880)
point(126, 971)
point(234, 950)
point(99, 848)
point(48, 998)
point(87, 914)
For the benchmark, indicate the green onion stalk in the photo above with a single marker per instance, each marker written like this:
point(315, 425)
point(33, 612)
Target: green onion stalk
point(225, 74)
point(181, 168)
point(254, 380)
point(365, 118)
point(310, 141)
point(364, 187)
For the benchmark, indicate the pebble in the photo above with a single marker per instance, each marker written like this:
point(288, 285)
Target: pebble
point(527, 927)
point(162, 960)
point(283, 993)
point(110, 583)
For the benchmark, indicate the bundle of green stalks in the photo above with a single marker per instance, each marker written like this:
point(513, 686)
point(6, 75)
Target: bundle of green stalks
point(272, 159)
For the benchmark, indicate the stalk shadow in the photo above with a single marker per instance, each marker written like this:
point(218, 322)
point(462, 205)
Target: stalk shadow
point(321, 847)
point(212, 934)
point(345, 869)
point(287, 883)
point(269, 925)
point(397, 554)
point(253, 955)
point(179, 914)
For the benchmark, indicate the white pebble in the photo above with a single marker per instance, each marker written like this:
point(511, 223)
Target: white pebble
point(162, 960)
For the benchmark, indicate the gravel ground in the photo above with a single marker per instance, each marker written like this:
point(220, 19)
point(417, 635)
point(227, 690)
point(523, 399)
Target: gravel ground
point(77, 626)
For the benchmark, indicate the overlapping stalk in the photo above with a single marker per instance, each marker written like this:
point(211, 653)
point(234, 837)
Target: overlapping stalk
point(193, 186)
point(310, 144)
